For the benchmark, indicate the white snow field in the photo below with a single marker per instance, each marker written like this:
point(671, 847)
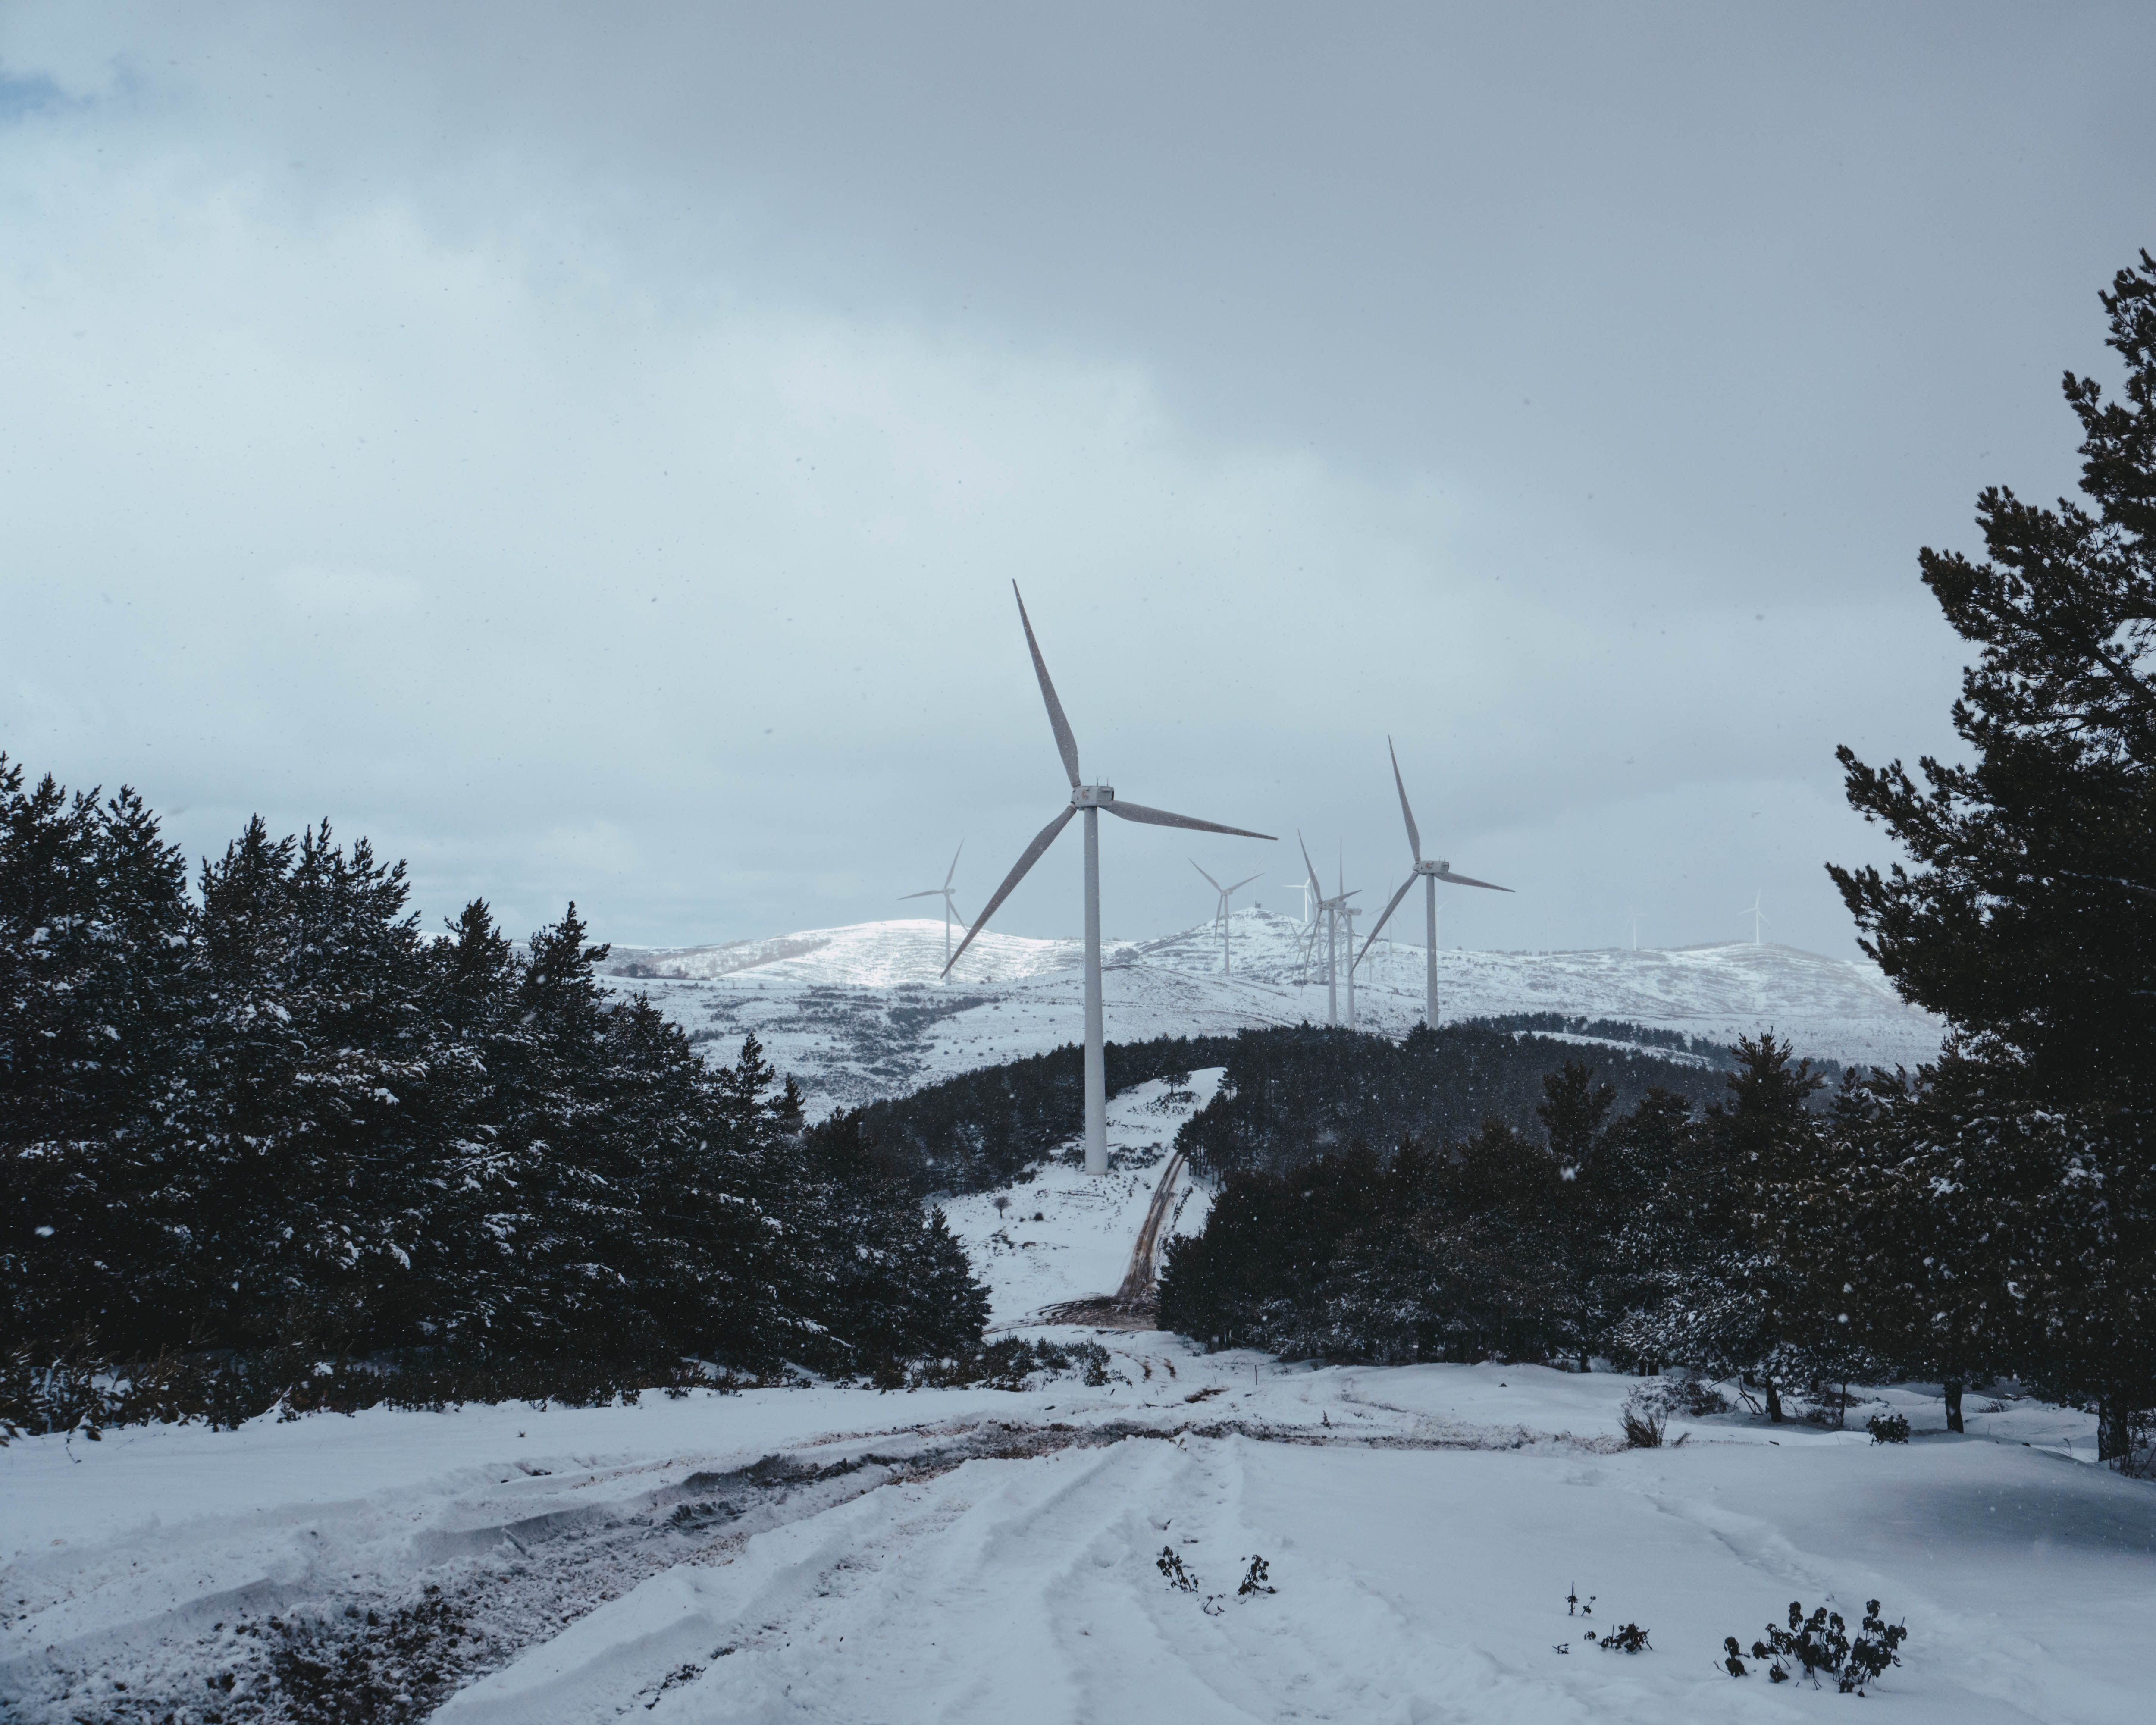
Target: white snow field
point(857, 1013)
point(981, 1555)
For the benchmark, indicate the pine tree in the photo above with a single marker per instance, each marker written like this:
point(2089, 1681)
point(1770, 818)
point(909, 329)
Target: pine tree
point(1636, 1217)
point(308, 1142)
point(2028, 920)
point(93, 922)
point(1736, 1291)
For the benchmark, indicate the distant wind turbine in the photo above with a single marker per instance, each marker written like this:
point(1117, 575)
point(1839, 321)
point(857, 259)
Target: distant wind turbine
point(1346, 914)
point(1328, 911)
point(1221, 912)
point(1634, 919)
point(1430, 874)
point(950, 910)
point(1091, 799)
point(1757, 916)
point(1302, 887)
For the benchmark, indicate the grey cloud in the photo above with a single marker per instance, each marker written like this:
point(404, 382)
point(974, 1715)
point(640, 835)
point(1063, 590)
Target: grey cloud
point(587, 450)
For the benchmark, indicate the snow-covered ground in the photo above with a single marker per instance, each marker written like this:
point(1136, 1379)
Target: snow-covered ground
point(857, 1013)
point(828, 1554)
point(1063, 1235)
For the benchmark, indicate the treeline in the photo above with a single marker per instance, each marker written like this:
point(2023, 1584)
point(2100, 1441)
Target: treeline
point(1993, 1213)
point(272, 1125)
point(1907, 1229)
point(977, 1131)
point(1289, 1096)
point(1561, 1024)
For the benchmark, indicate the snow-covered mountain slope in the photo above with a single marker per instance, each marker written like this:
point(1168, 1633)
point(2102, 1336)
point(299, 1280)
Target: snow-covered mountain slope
point(1063, 1234)
point(859, 1013)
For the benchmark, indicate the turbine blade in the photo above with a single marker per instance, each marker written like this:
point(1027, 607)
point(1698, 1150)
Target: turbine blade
point(955, 856)
point(1385, 917)
point(932, 892)
point(1042, 840)
point(1316, 891)
point(1065, 743)
point(1161, 818)
point(1414, 839)
point(1468, 881)
point(1242, 883)
point(1209, 880)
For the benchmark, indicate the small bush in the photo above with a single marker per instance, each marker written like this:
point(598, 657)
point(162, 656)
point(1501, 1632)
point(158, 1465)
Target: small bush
point(1011, 1363)
point(1254, 1579)
point(1820, 1645)
point(1887, 1428)
point(1170, 1564)
point(1625, 1638)
point(1093, 1358)
point(1645, 1422)
point(1695, 1398)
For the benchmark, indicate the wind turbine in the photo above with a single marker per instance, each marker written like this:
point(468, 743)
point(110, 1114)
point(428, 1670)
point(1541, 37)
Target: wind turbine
point(950, 910)
point(1302, 887)
point(1312, 898)
point(1091, 799)
point(1329, 909)
point(1430, 874)
point(1226, 969)
point(1634, 919)
point(1757, 916)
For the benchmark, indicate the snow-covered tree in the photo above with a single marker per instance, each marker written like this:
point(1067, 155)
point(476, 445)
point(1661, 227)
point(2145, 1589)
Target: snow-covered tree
point(2028, 919)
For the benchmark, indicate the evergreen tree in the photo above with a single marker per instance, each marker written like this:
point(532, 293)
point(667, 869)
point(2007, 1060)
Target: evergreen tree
point(1634, 1220)
point(307, 1140)
point(2028, 920)
point(1723, 1239)
point(93, 921)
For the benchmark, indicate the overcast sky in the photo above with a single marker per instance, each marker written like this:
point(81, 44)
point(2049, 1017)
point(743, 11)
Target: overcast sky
point(588, 448)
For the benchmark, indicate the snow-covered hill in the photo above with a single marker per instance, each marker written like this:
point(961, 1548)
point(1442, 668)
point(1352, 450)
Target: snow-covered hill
point(857, 1013)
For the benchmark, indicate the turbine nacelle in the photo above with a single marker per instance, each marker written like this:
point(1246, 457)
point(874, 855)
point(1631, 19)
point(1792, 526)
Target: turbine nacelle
point(1092, 796)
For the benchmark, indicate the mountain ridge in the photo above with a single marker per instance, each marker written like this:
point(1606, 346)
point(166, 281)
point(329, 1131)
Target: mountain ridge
point(856, 1013)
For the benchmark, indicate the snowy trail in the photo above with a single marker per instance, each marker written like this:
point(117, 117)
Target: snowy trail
point(1413, 1585)
point(980, 1554)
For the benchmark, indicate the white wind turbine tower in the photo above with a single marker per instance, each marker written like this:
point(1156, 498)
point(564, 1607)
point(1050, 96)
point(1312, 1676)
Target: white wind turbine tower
point(1090, 799)
point(1429, 873)
point(1328, 909)
point(950, 910)
point(1633, 917)
point(1221, 912)
point(1347, 914)
point(1757, 916)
